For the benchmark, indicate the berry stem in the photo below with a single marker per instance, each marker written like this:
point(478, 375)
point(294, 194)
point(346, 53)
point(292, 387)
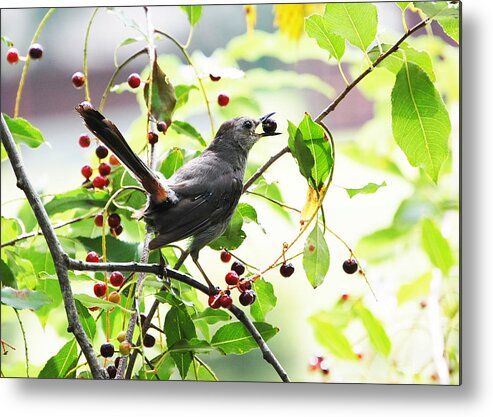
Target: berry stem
point(86, 40)
point(26, 353)
point(28, 60)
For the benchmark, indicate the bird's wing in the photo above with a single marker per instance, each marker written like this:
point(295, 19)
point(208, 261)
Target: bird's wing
point(199, 206)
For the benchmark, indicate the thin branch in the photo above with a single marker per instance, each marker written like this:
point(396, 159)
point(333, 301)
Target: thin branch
point(86, 41)
point(55, 248)
point(26, 353)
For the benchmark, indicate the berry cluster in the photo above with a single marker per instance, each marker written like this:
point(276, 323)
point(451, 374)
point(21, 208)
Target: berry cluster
point(101, 180)
point(35, 52)
point(114, 222)
point(222, 97)
point(319, 364)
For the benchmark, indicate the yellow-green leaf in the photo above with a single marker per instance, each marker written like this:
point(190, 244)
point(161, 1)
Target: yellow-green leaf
point(436, 246)
point(316, 257)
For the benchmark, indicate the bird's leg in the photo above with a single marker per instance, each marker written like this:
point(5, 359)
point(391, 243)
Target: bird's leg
point(212, 287)
point(162, 263)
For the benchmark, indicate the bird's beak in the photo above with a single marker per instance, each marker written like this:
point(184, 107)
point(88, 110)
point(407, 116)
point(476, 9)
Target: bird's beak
point(263, 119)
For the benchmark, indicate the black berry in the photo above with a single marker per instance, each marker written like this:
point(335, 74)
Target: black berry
point(149, 340)
point(248, 297)
point(111, 369)
point(101, 152)
point(238, 267)
point(117, 231)
point(350, 266)
point(107, 350)
point(36, 51)
point(114, 220)
point(245, 284)
point(214, 77)
point(269, 126)
point(162, 126)
point(286, 270)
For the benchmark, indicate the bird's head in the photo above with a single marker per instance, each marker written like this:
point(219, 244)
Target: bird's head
point(242, 132)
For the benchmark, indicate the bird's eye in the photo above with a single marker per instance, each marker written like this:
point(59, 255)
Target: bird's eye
point(248, 124)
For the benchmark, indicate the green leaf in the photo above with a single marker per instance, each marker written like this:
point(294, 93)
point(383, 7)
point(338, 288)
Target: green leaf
point(192, 345)
point(316, 257)
point(11, 228)
point(182, 93)
point(7, 41)
point(172, 162)
point(331, 337)
point(447, 14)
point(376, 332)
point(212, 316)
point(266, 299)
point(89, 301)
point(318, 28)
point(370, 188)
point(61, 364)
point(420, 121)
point(25, 298)
point(117, 250)
point(420, 287)
point(300, 151)
point(248, 213)
point(382, 244)
point(184, 128)
point(86, 319)
point(436, 246)
point(355, 22)
point(76, 199)
point(402, 4)
point(24, 132)
point(234, 338)
point(405, 53)
point(193, 12)
point(233, 237)
point(163, 97)
point(7, 277)
point(178, 326)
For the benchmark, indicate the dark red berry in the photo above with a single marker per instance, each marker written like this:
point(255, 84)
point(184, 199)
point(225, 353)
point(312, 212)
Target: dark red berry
point(162, 126)
point(117, 231)
point(12, 56)
point(324, 367)
point(350, 266)
point(152, 137)
point(238, 267)
point(84, 141)
point(107, 350)
point(104, 169)
point(134, 80)
point(114, 160)
point(86, 171)
point(117, 361)
point(149, 340)
point(223, 99)
point(116, 278)
point(226, 301)
point(98, 220)
point(214, 301)
point(248, 297)
point(36, 51)
point(232, 278)
point(314, 362)
point(99, 289)
point(114, 220)
point(269, 126)
point(214, 78)
point(225, 256)
point(92, 257)
point(101, 152)
point(111, 369)
point(286, 270)
point(99, 181)
point(106, 181)
point(95, 308)
point(344, 297)
point(78, 80)
point(245, 284)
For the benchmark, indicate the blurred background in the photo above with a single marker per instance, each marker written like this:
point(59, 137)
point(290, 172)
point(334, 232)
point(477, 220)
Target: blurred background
point(361, 126)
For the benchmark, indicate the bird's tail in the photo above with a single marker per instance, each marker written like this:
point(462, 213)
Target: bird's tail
point(109, 134)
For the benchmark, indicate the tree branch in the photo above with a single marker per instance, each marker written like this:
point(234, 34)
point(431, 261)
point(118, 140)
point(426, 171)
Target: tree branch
point(55, 248)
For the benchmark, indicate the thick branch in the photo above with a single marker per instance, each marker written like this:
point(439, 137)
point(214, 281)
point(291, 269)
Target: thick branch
point(55, 248)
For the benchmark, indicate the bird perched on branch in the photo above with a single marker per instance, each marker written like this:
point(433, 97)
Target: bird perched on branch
point(200, 198)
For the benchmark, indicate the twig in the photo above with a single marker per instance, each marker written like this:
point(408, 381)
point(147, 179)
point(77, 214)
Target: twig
point(55, 248)
point(26, 353)
point(86, 40)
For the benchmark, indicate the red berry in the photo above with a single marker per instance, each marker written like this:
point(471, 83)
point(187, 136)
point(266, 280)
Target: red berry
point(92, 257)
point(248, 297)
point(36, 51)
point(226, 301)
point(286, 269)
point(214, 301)
point(106, 181)
point(149, 340)
point(78, 79)
point(245, 284)
point(114, 160)
point(350, 266)
point(117, 231)
point(314, 362)
point(12, 56)
point(238, 267)
point(344, 297)
point(133, 80)
point(100, 289)
point(104, 169)
point(214, 78)
point(225, 256)
point(114, 220)
point(222, 99)
point(162, 126)
point(101, 152)
point(152, 137)
point(107, 350)
point(232, 278)
point(99, 181)
point(98, 220)
point(86, 171)
point(84, 141)
point(116, 278)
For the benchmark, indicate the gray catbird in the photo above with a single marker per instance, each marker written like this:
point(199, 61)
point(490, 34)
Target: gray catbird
point(200, 198)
